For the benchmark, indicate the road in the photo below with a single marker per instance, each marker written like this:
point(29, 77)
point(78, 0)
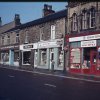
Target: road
point(21, 85)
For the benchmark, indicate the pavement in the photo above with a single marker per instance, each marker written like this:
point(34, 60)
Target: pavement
point(85, 77)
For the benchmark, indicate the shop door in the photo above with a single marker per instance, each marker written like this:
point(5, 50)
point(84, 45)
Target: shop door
point(51, 59)
point(93, 59)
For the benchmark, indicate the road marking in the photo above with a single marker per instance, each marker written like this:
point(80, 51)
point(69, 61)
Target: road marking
point(55, 75)
point(50, 85)
point(11, 76)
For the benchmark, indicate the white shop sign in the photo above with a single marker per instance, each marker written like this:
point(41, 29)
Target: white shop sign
point(91, 43)
point(50, 44)
point(81, 38)
point(28, 46)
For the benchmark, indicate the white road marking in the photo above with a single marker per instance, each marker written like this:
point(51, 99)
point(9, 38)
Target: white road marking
point(55, 75)
point(50, 85)
point(11, 76)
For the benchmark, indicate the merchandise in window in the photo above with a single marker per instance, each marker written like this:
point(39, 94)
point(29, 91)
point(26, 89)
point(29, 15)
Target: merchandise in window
point(43, 57)
point(75, 58)
point(60, 57)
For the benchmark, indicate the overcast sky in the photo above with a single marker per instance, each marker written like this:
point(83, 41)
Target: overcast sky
point(28, 10)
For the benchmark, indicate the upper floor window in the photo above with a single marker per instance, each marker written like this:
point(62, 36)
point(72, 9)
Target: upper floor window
point(17, 38)
point(2, 40)
point(41, 33)
point(8, 39)
point(92, 17)
point(74, 20)
point(52, 31)
point(26, 37)
point(84, 20)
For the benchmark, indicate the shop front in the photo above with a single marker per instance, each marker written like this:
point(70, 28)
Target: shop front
point(28, 54)
point(50, 54)
point(10, 55)
point(85, 54)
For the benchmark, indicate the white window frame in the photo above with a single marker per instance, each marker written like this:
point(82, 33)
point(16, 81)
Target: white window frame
point(74, 22)
point(41, 34)
point(84, 20)
point(2, 40)
point(17, 38)
point(92, 17)
point(8, 39)
point(53, 32)
point(26, 37)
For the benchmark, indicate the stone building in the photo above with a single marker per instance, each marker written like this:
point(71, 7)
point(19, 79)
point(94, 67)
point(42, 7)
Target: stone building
point(83, 37)
point(9, 42)
point(42, 40)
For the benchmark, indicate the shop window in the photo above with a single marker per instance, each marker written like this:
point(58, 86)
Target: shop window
point(16, 56)
point(26, 57)
point(75, 44)
point(43, 58)
point(5, 57)
point(98, 42)
point(75, 58)
point(52, 31)
point(86, 58)
point(98, 61)
point(60, 57)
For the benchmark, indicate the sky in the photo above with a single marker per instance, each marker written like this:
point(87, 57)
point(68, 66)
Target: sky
point(28, 11)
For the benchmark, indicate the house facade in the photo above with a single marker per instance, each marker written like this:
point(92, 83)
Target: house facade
point(9, 42)
point(83, 37)
point(42, 40)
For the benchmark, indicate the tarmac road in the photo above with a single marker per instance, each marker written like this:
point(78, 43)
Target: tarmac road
point(22, 85)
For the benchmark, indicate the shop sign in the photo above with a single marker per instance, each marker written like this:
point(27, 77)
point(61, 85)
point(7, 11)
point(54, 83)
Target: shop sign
point(88, 37)
point(28, 46)
point(49, 44)
point(91, 43)
point(9, 47)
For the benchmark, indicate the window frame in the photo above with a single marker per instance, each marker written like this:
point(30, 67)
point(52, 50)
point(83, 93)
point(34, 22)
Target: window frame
point(17, 38)
point(53, 32)
point(84, 20)
point(92, 18)
point(8, 39)
point(74, 22)
point(2, 41)
point(41, 33)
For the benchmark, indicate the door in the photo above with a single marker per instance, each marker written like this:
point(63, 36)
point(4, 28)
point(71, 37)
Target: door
point(35, 58)
point(93, 60)
point(51, 59)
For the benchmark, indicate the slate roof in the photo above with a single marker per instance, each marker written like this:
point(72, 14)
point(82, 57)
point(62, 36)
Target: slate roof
point(7, 27)
point(54, 16)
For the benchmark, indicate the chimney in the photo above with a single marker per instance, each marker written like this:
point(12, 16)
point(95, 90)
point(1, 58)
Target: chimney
point(17, 20)
point(47, 10)
point(0, 22)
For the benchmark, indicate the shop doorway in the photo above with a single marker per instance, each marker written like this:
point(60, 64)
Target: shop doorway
point(26, 57)
point(93, 60)
point(51, 59)
point(89, 60)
